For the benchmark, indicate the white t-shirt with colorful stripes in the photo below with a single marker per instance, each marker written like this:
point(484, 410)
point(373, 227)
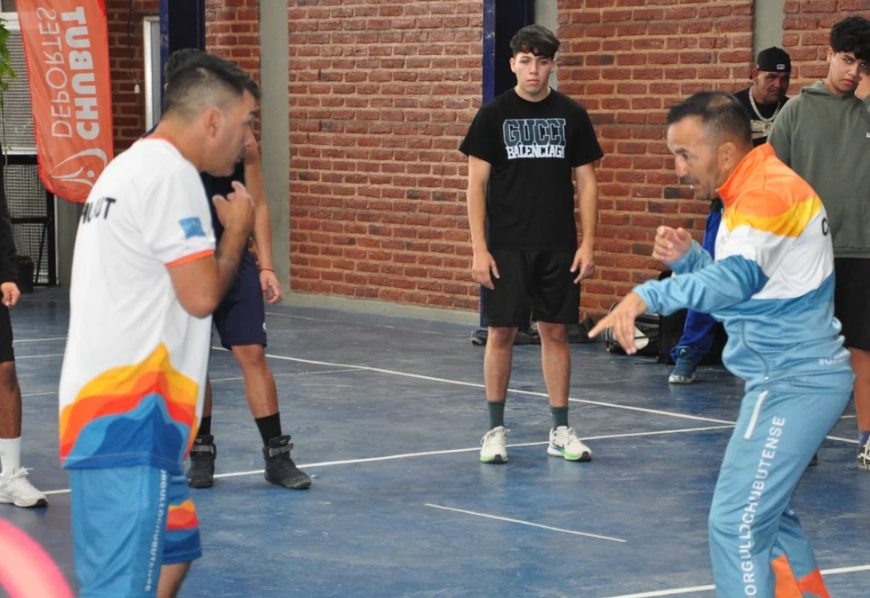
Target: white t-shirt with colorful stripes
point(134, 370)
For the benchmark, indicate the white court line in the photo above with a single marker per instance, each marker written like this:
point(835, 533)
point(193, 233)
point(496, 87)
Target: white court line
point(39, 340)
point(513, 390)
point(710, 588)
point(841, 439)
point(524, 392)
point(673, 592)
point(19, 357)
point(237, 474)
point(319, 372)
point(290, 375)
point(842, 570)
point(654, 433)
point(366, 324)
point(529, 523)
point(348, 367)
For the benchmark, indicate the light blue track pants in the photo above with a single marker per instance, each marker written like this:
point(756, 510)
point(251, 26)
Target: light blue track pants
point(757, 547)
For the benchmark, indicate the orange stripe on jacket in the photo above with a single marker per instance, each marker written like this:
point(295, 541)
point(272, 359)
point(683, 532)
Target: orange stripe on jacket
point(790, 221)
point(771, 199)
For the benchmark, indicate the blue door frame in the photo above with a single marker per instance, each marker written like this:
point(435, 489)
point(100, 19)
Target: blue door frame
point(500, 23)
point(499, 26)
point(182, 25)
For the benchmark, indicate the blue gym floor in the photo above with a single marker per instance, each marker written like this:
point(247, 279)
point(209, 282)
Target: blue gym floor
point(387, 414)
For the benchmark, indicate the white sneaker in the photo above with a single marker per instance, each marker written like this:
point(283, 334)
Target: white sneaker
point(565, 443)
point(493, 446)
point(15, 488)
point(864, 456)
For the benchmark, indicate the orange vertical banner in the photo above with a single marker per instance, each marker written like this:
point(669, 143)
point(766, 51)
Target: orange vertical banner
point(66, 48)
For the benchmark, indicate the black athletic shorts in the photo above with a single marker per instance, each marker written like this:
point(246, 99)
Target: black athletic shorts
point(6, 353)
point(536, 284)
point(240, 318)
point(852, 300)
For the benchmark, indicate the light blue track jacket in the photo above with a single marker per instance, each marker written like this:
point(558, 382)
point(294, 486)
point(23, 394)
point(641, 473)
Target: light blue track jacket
point(772, 284)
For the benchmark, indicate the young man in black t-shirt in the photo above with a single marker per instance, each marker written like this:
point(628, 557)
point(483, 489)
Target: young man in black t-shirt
point(525, 150)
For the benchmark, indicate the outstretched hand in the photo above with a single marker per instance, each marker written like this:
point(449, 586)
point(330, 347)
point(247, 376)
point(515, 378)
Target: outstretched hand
point(671, 243)
point(621, 318)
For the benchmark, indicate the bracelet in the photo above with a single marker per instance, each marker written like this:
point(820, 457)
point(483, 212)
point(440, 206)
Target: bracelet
point(266, 270)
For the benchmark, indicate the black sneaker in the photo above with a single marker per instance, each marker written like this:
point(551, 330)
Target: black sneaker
point(579, 333)
point(280, 468)
point(200, 474)
point(528, 335)
point(478, 337)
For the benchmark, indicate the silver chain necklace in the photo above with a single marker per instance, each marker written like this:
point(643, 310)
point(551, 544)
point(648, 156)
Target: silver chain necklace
point(766, 123)
point(770, 120)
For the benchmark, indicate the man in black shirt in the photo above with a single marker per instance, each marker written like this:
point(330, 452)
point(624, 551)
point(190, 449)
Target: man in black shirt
point(766, 96)
point(525, 151)
point(240, 320)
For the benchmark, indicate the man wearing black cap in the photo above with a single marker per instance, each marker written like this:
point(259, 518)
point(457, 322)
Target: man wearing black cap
point(764, 99)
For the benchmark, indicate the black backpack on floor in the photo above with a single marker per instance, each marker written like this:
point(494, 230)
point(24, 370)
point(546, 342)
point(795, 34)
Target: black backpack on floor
point(647, 336)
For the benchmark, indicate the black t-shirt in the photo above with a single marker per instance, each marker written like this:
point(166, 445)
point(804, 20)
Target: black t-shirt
point(760, 126)
point(532, 148)
point(220, 185)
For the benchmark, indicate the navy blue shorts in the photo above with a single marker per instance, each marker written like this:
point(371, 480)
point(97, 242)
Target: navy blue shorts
point(536, 284)
point(240, 319)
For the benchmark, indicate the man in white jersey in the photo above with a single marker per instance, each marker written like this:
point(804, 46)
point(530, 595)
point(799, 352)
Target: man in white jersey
point(146, 277)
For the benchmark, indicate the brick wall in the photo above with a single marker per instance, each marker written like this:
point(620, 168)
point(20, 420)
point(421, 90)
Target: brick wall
point(232, 30)
point(126, 64)
point(381, 94)
point(627, 61)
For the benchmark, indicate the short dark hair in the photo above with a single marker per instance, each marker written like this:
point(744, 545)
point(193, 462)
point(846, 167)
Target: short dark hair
point(852, 34)
point(201, 79)
point(721, 113)
point(176, 59)
point(535, 39)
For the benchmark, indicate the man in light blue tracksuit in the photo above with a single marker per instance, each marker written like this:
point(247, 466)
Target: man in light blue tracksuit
point(772, 287)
